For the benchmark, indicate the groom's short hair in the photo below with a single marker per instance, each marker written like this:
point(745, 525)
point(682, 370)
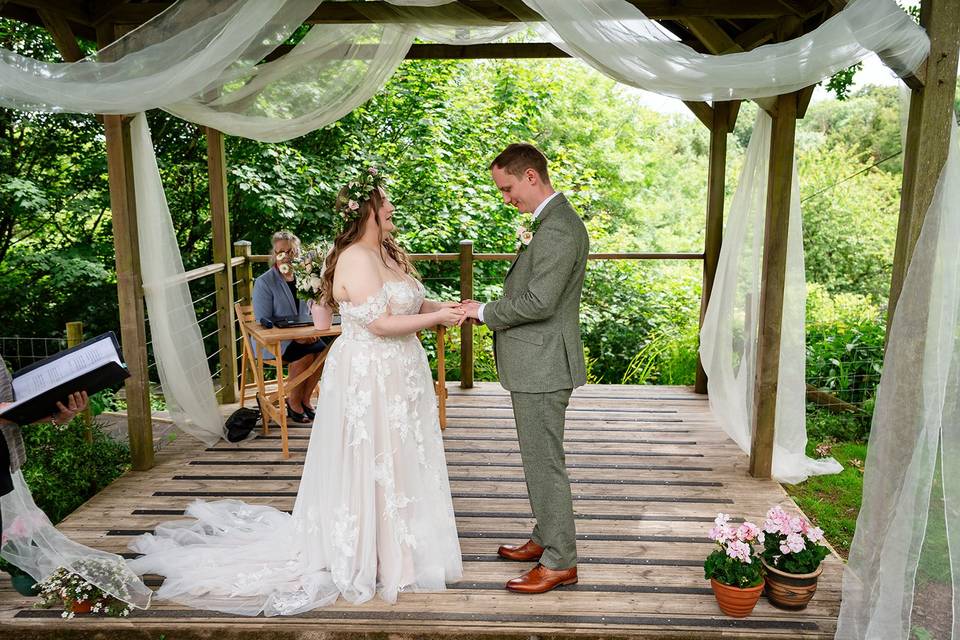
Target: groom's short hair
point(520, 156)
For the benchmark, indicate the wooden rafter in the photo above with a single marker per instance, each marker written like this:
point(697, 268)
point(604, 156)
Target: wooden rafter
point(62, 35)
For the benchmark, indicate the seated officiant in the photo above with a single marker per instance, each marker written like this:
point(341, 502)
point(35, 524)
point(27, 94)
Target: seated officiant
point(275, 295)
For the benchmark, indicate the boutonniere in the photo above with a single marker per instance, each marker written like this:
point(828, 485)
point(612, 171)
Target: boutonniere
point(525, 234)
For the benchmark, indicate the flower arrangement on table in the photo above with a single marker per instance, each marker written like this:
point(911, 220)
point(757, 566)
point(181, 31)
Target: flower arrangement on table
point(69, 589)
point(307, 268)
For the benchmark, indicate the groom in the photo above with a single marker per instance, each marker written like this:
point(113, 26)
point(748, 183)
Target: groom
point(539, 356)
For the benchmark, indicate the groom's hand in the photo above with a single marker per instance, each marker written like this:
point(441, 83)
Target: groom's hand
point(471, 309)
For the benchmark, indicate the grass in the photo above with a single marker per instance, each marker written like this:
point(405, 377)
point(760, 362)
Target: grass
point(833, 502)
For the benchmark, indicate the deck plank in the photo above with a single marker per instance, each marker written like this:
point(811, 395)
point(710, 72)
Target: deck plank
point(649, 466)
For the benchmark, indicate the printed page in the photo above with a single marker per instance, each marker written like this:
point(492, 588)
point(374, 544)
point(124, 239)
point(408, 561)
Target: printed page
point(63, 369)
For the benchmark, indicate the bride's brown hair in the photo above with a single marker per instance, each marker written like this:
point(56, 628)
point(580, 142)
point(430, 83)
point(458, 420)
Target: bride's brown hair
point(352, 232)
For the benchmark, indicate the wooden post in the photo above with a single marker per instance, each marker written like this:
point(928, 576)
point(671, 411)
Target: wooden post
point(129, 289)
point(716, 180)
point(126, 244)
point(220, 222)
point(466, 331)
point(75, 337)
point(928, 133)
point(244, 272)
point(772, 281)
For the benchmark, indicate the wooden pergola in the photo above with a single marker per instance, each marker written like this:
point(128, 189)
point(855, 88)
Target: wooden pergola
point(710, 26)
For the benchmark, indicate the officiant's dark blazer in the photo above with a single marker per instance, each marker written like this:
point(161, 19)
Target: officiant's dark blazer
point(272, 298)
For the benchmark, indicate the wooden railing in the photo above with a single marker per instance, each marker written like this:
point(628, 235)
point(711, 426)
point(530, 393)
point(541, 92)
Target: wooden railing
point(244, 261)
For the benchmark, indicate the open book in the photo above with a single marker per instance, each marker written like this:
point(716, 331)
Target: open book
point(91, 366)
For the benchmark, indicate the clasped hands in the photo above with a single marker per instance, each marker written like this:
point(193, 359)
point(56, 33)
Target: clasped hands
point(454, 314)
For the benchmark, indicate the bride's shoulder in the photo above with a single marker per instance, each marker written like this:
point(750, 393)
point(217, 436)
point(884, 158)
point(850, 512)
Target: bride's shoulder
point(357, 256)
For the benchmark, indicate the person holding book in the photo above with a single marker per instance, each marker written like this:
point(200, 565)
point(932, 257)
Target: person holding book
point(275, 295)
point(12, 452)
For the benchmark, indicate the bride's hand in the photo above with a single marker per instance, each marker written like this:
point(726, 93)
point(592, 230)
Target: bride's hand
point(448, 305)
point(450, 316)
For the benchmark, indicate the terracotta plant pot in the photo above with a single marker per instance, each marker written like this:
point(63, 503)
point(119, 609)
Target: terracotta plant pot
point(322, 316)
point(791, 591)
point(82, 606)
point(734, 601)
point(24, 585)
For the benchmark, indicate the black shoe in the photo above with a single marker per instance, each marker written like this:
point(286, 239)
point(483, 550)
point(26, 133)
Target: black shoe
point(296, 417)
point(309, 412)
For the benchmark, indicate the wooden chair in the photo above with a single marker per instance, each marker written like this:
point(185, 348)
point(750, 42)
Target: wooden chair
point(250, 361)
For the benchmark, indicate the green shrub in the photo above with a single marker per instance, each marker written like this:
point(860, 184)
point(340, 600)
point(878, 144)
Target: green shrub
point(64, 470)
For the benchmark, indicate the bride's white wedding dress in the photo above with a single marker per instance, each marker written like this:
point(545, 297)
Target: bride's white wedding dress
point(373, 512)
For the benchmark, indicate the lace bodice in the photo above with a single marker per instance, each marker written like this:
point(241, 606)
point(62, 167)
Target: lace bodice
point(399, 297)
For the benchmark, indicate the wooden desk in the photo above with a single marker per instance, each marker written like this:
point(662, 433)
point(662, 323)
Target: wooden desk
point(274, 405)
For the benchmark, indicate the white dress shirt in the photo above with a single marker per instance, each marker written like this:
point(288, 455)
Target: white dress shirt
point(536, 214)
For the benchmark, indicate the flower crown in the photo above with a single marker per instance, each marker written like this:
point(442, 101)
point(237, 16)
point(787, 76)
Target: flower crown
point(359, 190)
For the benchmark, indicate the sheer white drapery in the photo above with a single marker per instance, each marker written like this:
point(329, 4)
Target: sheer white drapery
point(174, 332)
point(31, 542)
point(178, 54)
point(617, 39)
point(728, 338)
point(205, 67)
point(905, 555)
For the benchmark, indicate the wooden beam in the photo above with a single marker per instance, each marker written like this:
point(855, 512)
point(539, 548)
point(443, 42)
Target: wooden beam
point(126, 244)
point(220, 222)
point(734, 112)
point(64, 9)
point(758, 34)
point(421, 51)
point(719, 42)
point(62, 35)
point(803, 100)
point(716, 184)
point(915, 80)
point(928, 133)
point(702, 110)
point(466, 329)
point(516, 11)
point(772, 284)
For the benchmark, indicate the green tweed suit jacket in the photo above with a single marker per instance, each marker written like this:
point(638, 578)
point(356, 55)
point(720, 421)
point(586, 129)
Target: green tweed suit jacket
point(536, 323)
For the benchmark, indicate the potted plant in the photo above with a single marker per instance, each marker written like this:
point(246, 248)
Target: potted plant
point(69, 589)
point(734, 568)
point(308, 270)
point(23, 582)
point(792, 557)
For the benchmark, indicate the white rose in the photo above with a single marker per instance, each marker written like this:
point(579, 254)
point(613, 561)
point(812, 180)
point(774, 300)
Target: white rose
point(521, 231)
point(526, 237)
point(354, 205)
point(316, 283)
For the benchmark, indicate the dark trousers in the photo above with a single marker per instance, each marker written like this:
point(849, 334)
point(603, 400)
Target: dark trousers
point(6, 481)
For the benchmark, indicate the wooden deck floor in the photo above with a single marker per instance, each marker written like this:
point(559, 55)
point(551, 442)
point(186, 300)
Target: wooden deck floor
point(650, 470)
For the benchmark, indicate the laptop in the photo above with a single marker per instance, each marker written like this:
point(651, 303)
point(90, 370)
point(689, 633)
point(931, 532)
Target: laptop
point(286, 322)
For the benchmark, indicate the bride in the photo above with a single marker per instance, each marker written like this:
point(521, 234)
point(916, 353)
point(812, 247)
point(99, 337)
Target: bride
point(374, 511)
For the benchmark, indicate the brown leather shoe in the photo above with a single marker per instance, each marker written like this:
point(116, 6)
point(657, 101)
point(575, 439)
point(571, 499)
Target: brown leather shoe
point(541, 579)
point(525, 552)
